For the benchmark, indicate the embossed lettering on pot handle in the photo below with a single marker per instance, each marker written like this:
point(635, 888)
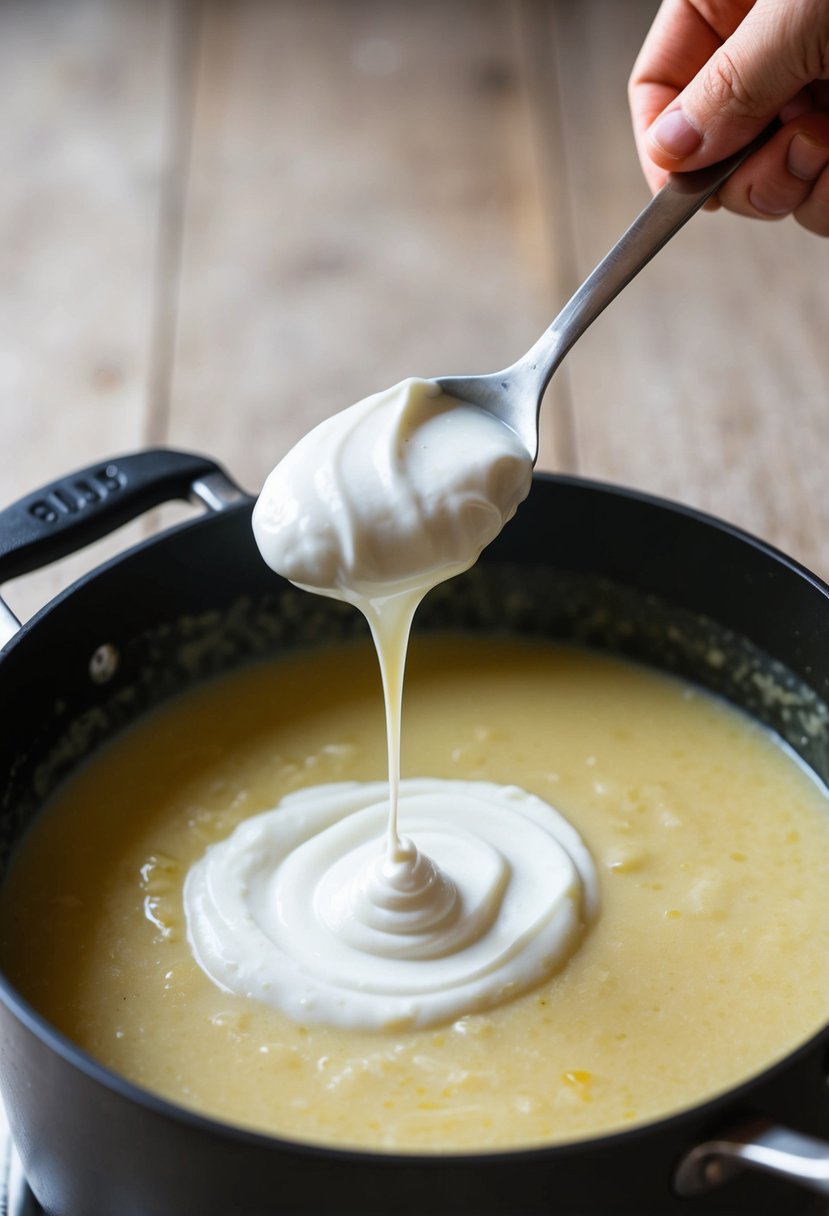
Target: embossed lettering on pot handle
point(68, 514)
point(757, 1145)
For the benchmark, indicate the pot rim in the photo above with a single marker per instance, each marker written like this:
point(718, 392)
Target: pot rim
point(706, 1111)
point(245, 502)
point(695, 515)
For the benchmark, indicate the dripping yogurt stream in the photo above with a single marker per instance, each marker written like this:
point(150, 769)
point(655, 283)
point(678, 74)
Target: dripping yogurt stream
point(375, 506)
point(408, 486)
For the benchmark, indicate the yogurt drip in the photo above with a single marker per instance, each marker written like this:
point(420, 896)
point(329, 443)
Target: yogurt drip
point(488, 891)
point(383, 501)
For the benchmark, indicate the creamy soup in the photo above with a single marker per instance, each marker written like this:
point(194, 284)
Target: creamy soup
point(708, 960)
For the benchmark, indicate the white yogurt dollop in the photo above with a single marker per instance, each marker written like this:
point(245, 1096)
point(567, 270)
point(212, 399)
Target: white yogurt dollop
point(489, 890)
point(301, 907)
point(397, 493)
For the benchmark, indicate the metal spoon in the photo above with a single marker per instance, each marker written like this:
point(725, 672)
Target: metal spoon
point(514, 394)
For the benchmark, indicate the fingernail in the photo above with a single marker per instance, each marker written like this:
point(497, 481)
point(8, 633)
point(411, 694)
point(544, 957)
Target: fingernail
point(767, 206)
point(674, 134)
point(807, 158)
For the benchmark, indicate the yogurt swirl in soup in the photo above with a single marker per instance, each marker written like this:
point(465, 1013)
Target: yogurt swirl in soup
point(373, 906)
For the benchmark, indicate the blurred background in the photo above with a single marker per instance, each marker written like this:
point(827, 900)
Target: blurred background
point(222, 220)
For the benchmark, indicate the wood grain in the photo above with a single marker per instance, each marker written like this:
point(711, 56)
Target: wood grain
point(82, 154)
point(363, 205)
point(224, 219)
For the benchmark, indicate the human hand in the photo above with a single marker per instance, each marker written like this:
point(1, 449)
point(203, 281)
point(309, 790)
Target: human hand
point(711, 75)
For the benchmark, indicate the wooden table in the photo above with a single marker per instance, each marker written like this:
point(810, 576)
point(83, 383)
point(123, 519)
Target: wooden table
point(222, 220)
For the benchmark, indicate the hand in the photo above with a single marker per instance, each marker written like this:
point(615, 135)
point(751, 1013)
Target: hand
point(712, 74)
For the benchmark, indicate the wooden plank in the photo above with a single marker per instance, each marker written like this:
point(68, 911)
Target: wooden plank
point(363, 205)
point(557, 437)
point(83, 154)
point(706, 380)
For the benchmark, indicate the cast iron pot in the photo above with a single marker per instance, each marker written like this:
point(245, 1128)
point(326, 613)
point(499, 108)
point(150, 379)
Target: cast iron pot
point(601, 566)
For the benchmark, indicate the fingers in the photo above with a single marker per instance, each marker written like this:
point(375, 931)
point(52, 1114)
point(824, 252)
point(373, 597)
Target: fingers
point(721, 80)
point(787, 176)
point(758, 70)
point(711, 74)
point(677, 46)
point(813, 214)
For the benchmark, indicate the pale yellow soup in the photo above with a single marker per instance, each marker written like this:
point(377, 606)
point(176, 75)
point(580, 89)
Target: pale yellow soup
point(708, 961)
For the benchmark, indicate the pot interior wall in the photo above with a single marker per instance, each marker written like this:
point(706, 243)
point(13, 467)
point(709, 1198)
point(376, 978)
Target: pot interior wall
point(584, 609)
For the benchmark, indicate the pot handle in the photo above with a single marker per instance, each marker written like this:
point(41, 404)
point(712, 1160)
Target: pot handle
point(80, 508)
point(755, 1145)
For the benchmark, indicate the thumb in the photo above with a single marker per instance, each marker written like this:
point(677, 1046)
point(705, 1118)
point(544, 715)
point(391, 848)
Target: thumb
point(767, 60)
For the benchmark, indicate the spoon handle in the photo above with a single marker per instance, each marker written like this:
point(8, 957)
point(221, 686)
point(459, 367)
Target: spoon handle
point(681, 197)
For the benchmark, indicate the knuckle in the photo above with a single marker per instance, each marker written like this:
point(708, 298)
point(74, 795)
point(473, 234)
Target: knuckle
point(809, 38)
point(726, 88)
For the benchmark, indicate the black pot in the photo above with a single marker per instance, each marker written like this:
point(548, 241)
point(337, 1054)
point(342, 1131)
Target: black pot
point(603, 566)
